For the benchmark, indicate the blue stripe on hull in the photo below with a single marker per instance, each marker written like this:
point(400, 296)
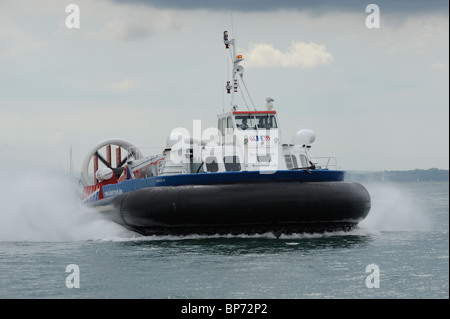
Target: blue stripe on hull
point(220, 178)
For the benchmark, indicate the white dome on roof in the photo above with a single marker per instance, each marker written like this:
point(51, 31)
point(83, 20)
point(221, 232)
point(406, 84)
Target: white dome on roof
point(304, 137)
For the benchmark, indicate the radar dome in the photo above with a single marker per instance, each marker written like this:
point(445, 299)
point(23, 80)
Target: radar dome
point(304, 137)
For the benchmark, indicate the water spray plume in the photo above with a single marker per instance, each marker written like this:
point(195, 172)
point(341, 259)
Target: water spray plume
point(42, 206)
point(394, 209)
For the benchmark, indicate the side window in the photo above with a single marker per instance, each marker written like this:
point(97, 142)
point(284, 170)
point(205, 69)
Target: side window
point(291, 161)
point(221, 125)
point(232, 163)
point(272, 122)
point(288, 159)
point(229, 125)
point(264, 158)
point(211, 164)
point(294, 161)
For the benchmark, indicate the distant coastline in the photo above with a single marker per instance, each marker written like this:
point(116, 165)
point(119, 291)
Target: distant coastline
point(417, 175)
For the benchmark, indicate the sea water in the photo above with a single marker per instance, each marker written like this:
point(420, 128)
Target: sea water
point(51, 246)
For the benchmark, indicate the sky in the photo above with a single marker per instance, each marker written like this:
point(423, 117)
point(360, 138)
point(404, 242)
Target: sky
point(377, 98)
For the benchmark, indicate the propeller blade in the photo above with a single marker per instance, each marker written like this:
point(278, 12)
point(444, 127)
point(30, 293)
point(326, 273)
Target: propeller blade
point(122, 163)
point(103, 160)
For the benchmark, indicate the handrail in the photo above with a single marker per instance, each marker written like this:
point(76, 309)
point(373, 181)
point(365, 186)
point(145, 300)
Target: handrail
point(325, 161)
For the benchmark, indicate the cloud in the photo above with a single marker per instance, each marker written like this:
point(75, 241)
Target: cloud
point(298, 55)
point(16, 41)
point(124, 85)
point(93, 118)
point(55, 137)
point(439, 66)
point(134, 24)
point(122, 30)
point(426, 30)
point(316, 6)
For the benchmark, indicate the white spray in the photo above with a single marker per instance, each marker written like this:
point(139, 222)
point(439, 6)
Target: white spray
point(42, 206)
point(394, 208)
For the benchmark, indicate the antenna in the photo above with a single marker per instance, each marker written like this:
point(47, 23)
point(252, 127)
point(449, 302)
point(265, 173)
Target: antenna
point(232, 28)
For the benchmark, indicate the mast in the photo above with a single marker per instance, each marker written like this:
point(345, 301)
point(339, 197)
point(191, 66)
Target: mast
point(237, 70)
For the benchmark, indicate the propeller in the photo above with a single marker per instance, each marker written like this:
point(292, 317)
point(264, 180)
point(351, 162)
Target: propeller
point(97, 151)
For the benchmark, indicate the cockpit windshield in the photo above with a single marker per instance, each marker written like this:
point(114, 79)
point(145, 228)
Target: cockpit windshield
point(255, 121)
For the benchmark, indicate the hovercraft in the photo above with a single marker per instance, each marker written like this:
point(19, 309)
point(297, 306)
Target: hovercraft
point(233, 179)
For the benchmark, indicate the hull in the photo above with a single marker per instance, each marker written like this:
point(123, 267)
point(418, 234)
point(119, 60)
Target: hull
point(250, 207)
